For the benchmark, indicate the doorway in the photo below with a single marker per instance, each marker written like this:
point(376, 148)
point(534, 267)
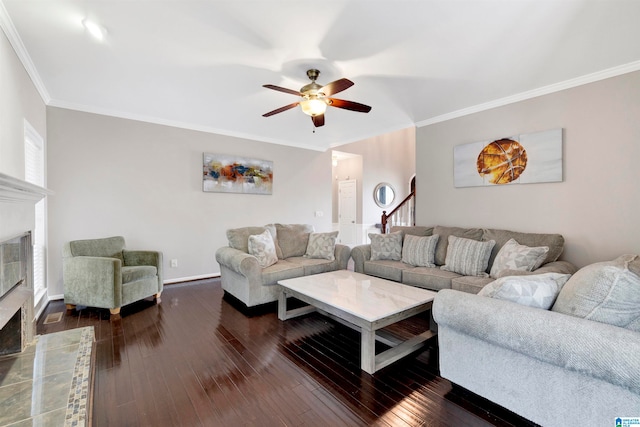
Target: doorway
point(347, 204)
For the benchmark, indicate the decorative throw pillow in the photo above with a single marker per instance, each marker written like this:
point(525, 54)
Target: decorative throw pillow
point(419, 251)
point(262, 247)
point(468, 257)
point(386, 246)
point(513, 256)
point(322, 245)
point(537, 290)
point(607, 292)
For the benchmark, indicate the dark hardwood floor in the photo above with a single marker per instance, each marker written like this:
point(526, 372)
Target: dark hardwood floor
point(195, 360)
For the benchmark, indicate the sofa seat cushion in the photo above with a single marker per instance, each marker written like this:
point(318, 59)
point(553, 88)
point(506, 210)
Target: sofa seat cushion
point(283, 269)
point(314, 265)
point(133, 273)
point(470, 284)
point(429, 278)
point(386, 269)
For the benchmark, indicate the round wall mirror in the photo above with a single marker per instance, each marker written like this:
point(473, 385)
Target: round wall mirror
point(384, 194)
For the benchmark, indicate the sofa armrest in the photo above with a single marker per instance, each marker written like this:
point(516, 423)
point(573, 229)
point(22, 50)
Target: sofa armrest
point(561, 267)
point(342, 255)
point(596, 349)
point(238, 261)
point(84, 278)
point(153, 258)
point(360, 254)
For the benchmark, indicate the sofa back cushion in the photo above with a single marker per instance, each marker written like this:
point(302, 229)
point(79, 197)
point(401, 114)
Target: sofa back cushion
point(555, 242)
point(110, 247)
point(239, 237)
point(443, 241)
point(416, 230)
point(607, 292)
point(293, 239)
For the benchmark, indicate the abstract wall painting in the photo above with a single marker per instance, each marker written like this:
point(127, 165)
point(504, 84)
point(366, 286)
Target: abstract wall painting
point(520, 159)
point(223, 173)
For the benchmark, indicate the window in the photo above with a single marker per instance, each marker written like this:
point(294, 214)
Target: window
point(34, 172)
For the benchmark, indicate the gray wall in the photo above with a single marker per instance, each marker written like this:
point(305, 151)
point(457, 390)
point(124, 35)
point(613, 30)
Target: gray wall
point(19, 100)
point(114, 176)
point(595, 208)
point(385, 158)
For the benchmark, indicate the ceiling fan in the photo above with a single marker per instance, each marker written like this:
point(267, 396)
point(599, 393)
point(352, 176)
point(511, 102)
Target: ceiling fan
point(316, 98)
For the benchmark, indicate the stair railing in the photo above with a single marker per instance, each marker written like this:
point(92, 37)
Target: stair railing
point(403, 214)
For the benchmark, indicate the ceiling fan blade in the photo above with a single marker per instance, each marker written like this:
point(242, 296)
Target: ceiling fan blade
point(283, 89)
point(348, 105)
point(281, 109)
point(318, 120)
point(337, 86)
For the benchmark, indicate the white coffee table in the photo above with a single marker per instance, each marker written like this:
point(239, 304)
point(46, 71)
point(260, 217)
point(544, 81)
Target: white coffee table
point(365, 303)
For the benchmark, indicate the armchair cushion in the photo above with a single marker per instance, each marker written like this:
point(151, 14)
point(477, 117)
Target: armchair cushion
point(131, 274)
point(109, 247)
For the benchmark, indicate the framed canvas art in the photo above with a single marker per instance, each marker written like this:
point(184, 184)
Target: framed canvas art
point(224, 173)
point(520, 159)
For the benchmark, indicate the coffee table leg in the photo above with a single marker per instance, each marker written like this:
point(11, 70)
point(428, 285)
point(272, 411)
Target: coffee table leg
point(282, 306)
point(368, 351)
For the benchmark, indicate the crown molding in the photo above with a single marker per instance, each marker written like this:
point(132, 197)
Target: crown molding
point(16, 42)
point(545, 90)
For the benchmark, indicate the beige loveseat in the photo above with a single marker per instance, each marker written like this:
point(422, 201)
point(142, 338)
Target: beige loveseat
point(298, 250)
point(435, 278)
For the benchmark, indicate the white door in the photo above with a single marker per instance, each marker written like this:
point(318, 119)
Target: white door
point(347, 211)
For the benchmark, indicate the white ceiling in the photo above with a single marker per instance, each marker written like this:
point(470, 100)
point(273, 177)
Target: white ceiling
point(201, 64)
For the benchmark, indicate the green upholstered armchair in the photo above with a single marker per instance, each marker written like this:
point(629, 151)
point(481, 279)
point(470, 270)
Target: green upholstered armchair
point(102, 273)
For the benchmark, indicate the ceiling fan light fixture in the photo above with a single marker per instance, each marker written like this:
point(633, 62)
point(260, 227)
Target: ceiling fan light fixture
point(313, 106)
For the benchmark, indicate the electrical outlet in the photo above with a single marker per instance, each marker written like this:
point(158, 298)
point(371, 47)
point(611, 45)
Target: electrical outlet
point(174, 263)
point(319, 213)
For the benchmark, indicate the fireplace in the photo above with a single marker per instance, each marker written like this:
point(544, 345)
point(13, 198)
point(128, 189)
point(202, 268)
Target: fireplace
point(17, 325)
point(17, 219)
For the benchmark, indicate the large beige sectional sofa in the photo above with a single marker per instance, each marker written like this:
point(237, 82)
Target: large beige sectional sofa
point(435, 278)
point(245, 279)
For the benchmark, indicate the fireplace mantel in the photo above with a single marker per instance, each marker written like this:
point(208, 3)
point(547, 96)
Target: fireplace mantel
point(15, 190)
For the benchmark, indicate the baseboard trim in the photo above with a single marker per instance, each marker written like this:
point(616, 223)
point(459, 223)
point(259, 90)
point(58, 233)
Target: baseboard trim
point(191, 278)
